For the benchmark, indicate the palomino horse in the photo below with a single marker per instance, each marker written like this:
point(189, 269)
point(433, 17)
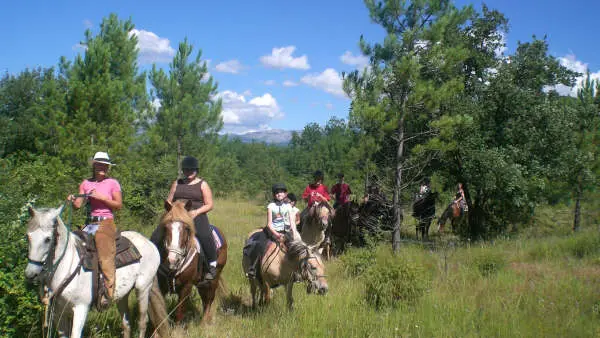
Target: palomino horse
point(315, 227)
point(424, 212)
point(344, 226)
point(179, 270)
point(53, 258)
point(278, 267)
point(452, 213)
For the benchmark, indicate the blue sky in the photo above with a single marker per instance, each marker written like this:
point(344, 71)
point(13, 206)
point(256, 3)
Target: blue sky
point(277, 63)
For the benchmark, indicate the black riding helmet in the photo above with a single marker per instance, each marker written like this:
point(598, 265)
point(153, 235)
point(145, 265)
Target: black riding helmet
point(318, 174)
point(277, 187)
point(189, 162)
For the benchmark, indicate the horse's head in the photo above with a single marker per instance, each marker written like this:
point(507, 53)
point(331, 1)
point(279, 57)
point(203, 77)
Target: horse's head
point(322, 212)
point(42, 234)
point(311, 267)
point(178, 232)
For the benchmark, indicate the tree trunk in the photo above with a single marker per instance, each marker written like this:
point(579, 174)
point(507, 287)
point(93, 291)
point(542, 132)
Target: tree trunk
point(398, 186)
point(578, 196)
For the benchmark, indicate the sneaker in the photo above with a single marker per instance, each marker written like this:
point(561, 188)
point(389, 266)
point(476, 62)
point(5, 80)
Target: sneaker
point(211, 273)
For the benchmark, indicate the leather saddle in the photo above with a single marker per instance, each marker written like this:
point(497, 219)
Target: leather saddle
point(126, 254)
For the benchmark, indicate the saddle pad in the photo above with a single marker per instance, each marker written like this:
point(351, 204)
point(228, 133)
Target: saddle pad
point(217, 236)
point(127, 253)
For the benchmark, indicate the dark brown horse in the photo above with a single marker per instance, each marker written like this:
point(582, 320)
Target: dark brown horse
point(344, 226)
point(424, 212)
point(180, 268)
point(452, 213)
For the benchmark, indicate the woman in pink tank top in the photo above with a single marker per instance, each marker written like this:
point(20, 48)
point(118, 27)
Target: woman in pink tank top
point(104, 196)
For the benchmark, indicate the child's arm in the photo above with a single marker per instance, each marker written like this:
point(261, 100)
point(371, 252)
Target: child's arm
point(270, 224)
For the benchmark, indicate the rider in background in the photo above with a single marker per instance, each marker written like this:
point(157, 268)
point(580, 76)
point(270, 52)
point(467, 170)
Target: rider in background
point(316, 191)
point(291, 199)
point(280, 228)
point(341, 191)
point(279, 214)
point(460, 199)
point(104, 196)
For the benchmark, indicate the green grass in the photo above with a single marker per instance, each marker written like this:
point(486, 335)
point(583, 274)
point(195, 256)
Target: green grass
point(543, 282)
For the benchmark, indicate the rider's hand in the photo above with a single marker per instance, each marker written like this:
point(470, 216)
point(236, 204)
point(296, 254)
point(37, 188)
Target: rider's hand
point(70, 198)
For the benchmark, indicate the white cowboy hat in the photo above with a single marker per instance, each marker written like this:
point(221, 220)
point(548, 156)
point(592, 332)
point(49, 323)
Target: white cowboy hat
point(102, 157)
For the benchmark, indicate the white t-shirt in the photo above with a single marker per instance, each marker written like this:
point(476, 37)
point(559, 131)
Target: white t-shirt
point(280, 214)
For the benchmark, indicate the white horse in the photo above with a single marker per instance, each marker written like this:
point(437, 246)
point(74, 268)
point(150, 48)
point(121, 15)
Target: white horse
point(48, 235)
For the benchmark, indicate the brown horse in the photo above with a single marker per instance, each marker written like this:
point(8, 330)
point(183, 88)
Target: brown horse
point(316, 227)
point(452, 213)
point(180, 254)
point(278, 267)
point(344, 226)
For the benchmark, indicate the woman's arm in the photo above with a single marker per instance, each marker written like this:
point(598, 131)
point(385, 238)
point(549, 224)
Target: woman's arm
point(208, 200)
point(77, 201)
point(114, 203)
point(172, 191)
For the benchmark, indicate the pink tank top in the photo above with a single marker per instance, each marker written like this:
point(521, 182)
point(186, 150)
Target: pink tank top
point(105, 187)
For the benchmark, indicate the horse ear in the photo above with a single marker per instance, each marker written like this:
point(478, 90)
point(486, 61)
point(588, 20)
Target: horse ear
point(31, 211)
point(188, 205)
point(168, 205)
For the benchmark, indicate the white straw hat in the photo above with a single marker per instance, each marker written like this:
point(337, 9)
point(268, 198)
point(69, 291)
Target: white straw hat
point(102, 157)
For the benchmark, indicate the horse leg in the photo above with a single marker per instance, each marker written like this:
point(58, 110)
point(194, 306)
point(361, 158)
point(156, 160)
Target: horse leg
point(184, 293)
point(266, 290)
point(253, 291)
point(80, 312)
point(123, 305)
point(63, 318)
point(143, 296)
point(208, 296)
point(290, 294)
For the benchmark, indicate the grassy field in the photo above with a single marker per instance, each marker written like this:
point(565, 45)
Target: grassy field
point(544, 282)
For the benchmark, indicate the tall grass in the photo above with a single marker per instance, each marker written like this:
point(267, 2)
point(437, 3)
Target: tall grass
point(527, 286)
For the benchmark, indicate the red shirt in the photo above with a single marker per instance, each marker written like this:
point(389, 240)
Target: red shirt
point(311, 191)
point(341, 192)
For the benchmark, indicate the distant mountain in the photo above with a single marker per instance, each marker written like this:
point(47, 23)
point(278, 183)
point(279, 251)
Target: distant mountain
point(273, 136)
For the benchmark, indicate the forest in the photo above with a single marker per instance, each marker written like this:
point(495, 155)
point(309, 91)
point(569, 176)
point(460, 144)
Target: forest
point(437, 100)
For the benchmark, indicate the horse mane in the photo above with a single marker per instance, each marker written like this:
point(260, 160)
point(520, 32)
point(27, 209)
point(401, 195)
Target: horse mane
point(36, 222)
point(297, 249)
point(178, 213)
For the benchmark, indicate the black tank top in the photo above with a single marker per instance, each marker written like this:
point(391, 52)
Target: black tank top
point(191, 192)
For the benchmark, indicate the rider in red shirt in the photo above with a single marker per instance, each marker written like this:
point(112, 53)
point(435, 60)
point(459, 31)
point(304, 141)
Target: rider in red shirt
point(317, 191)
point(341, 191)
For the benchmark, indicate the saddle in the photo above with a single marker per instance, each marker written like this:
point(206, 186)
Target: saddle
point(126, 254)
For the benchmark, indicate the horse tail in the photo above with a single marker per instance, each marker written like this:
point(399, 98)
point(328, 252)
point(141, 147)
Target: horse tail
point(158, 311)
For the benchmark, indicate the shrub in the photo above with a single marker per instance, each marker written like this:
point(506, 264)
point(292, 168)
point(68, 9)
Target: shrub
point(488, 262)
point(356, 261)
point(393, 281)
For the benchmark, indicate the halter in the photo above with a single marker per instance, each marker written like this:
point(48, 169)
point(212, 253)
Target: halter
point(184, 255)
point(304, 261)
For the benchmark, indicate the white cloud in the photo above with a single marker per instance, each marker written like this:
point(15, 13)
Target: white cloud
point(243, 115)
point(269, 82)
point(79, 47)
point(288, 83)
point(329, 80)
point(499, 51)
point(153, 48)
point(329, 105)
point(359, 61)
point(231, 66)
point(570, 62)
point(282, 58)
